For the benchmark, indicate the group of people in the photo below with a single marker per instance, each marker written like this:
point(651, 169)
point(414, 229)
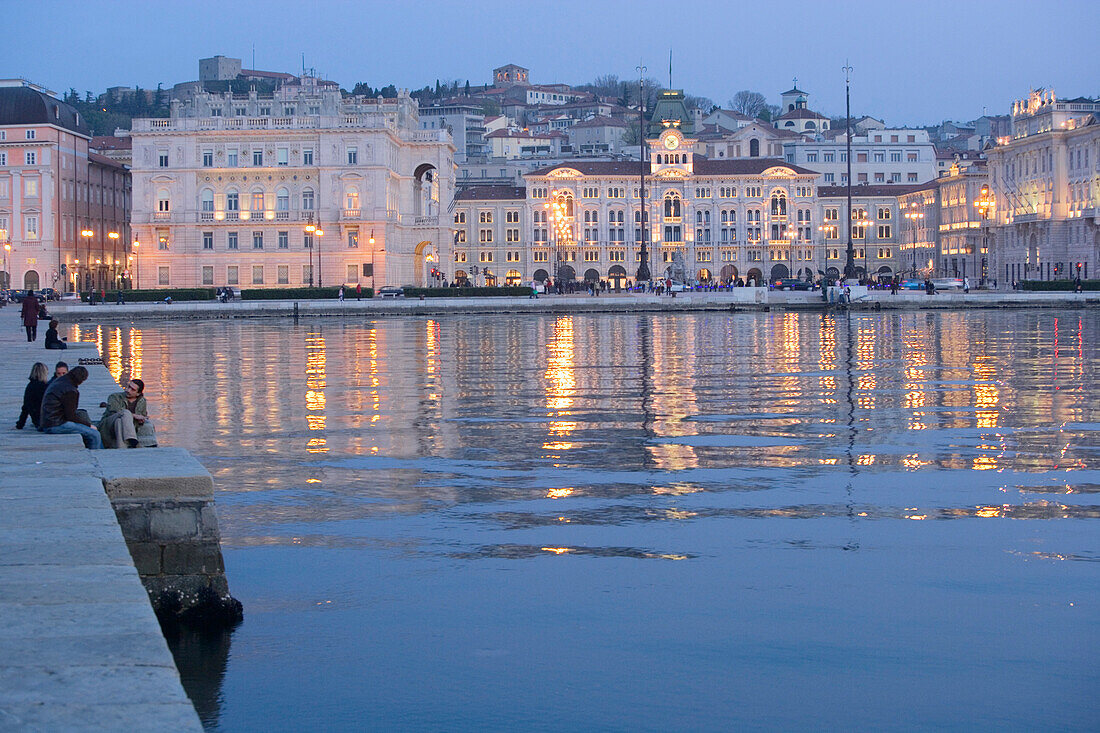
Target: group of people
point(53, 406)
point(31, 314)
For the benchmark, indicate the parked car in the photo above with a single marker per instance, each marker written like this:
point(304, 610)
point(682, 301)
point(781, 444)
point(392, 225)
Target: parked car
point(18, 295)
point(50, 294)
point(948, 283)
point(70, 296)
point(790, 283)
point(391, 291)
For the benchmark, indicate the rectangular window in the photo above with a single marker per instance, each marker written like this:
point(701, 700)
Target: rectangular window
point(485, 236)
point(231, 276)
point(282, 274)
point(207, 275)
point(162, 239)
point(884, 231)
point(307, 156)
point(257, 274)
point(353, 273)
point(512, 235)
point(208, 242)
point(307, 274)
point(282, 156)
point(31, 229)
point(353, 239)
point(3, 158)
point(31, 157)
point(283, 239)
point(258, 157)
point(231, 158)
point(208, 159)
point(895, 157)
point(353, 156)
point(162, 276)
point(911, 157)
point(30, 187)
point(162, 159)
point(30, 134)
point(829, 178)
point(912, 177)
point(541, 256)
point(231, 241)
point(257, 240)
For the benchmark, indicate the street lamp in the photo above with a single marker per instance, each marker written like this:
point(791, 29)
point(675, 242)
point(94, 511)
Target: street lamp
point(137, 268)
point(314, 230)
point(113, 236)
point(914, 218)
point(371, 240)
point(86, 234)
point(643, 274)
point(850, 263)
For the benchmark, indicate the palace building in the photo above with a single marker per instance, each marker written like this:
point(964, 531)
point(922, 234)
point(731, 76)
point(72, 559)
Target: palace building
point(293, 187)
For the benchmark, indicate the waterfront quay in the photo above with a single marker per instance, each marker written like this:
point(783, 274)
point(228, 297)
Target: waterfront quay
point(80, 647)
point(739, 299)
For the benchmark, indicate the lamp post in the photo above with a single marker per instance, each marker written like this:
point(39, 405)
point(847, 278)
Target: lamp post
point(314, 230)
point(7, 253)
point(371, 240)
point(137, 269)
point(914, 218)
point(86, 234)
point(850, 264)
point(643, 273)
point(113, 236)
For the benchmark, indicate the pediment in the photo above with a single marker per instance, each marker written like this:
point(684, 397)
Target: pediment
point(671, 173)
point(564, 173)
point(778, 171)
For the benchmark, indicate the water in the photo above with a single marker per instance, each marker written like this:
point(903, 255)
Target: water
point(701, 521)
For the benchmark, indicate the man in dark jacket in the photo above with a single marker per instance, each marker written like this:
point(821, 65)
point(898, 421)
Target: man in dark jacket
point(30, 315)
point(59, 406)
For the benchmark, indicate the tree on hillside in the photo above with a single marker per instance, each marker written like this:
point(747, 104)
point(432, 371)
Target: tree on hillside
point(466, 90)
point(748, 103)
point(704, 103)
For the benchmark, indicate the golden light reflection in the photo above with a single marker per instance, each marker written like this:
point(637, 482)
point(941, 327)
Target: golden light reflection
point(913, 462)
point(114, 355)
point(136, 353)
point(557, 550)
point(990, 511)
point(557, 446)
point(316, 360)
point(561, 380)
point(558, 493)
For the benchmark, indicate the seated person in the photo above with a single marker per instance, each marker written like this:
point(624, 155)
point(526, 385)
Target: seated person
point(52, 340)
point(125, 422)
point(60, 407)
point(60, 369)
point(32, 396)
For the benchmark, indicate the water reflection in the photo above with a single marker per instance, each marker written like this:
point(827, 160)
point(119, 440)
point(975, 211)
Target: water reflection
point(454, 446)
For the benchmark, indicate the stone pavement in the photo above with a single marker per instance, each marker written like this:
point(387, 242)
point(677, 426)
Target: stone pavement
point(80, 648)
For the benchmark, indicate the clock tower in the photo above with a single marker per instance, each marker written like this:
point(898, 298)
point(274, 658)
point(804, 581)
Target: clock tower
point(671, 154)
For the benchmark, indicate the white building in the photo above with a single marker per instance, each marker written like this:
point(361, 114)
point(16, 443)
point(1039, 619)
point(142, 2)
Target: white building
point(879, 156)
point(1045, 178)
point(225, 188)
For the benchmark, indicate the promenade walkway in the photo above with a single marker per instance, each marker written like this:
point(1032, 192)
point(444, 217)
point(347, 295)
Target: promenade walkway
point(80, 647)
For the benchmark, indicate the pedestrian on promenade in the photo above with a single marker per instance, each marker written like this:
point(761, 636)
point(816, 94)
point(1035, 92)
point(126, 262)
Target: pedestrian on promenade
point(119, 300)
point(52, 340)
point(966, 284)
point(341, 294)
point(32, 396)
point(125, 422)
point(30, 315)
point(358, 290)
point(59, 409)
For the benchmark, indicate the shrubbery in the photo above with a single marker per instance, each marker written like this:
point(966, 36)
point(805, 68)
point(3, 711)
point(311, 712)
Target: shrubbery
point(301, 293)
point(146, 296)
point(1058, 285)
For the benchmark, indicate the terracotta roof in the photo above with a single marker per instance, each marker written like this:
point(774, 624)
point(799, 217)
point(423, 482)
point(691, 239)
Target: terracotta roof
point(492, 193)
point(801, 114)
point(525, 135)
point(595, 168)
point(105, 161)
point(702, 167)
point(111, 142)
point(886, 189)
point(601, 122)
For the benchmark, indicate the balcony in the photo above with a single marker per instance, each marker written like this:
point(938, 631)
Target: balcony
point(351, 214)
point(426, 221)
point(282, 216)
point(162, 216)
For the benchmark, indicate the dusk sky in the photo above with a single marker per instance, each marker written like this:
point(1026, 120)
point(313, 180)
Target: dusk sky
point(914, 63)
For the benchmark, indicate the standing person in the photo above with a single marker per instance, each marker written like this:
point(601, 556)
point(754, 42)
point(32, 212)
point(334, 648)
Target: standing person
point(30, 315)
point(966, 284)
point(358, 290)
point(32, 396)
point(126, 422)
point(52, 340)
point(59, 406)
point(341, 294)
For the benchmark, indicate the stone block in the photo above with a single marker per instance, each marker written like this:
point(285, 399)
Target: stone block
point(160, 473)
point(208, 518)
point(193, 558)
point(133, 519)
point(147, 556)
point(173, 524)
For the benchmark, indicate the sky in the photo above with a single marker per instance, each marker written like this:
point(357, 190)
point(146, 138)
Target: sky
point(912, 62)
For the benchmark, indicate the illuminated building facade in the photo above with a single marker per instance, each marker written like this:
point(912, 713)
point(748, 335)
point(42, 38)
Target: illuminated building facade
point(964, 202)
point(64, 210)
point(918, 236)
point(708, 220)
point(876, 229)
point(1045, 179)
point(296, 187)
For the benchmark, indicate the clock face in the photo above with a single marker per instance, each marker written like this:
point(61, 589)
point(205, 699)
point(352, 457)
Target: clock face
point(671, 142)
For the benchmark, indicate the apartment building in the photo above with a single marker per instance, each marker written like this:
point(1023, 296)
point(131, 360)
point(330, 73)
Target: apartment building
point(888, 156)
point(64, 209)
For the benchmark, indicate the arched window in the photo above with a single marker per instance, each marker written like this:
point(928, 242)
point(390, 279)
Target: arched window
point(779, 202)
point(232, 200)
point(754, 148)
point(351, 198)
point(282, 200)
point(206, 200)
point(257, 200)
point(672, 206)
point(307, 199)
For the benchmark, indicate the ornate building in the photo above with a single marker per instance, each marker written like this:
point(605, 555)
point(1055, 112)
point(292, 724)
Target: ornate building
point(1045, 179)
point(292, 188)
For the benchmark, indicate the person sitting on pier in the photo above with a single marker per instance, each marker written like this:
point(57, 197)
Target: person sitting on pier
point(52, 340)
point(60, 369)
point(60, 406)
point(125, 422)
point(32, 396)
